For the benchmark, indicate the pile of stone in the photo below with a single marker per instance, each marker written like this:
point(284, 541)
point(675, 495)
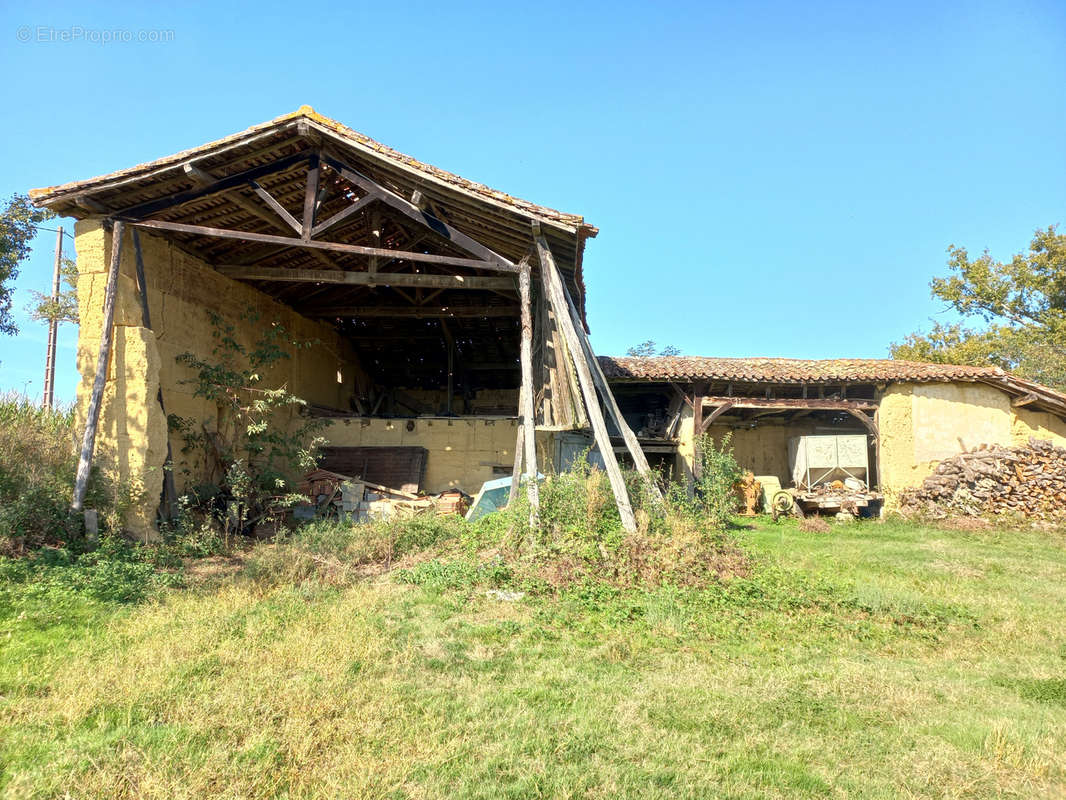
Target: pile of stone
point(1029, 480)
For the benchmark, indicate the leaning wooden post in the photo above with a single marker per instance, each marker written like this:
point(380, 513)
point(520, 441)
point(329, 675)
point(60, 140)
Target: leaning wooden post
point(588, 389)
point(92, 416)
point(529, 422)
point(640, 461)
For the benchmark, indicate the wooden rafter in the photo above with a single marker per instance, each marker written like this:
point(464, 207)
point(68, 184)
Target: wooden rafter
point(408, 279)
point(423, 217)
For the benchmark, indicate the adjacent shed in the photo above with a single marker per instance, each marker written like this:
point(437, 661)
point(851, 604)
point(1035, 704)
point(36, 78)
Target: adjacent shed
point(912, 415)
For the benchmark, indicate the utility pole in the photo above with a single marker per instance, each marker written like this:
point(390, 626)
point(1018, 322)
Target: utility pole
point(53, 328)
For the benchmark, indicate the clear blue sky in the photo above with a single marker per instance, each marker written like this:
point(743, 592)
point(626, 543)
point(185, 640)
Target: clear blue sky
point(769, 178)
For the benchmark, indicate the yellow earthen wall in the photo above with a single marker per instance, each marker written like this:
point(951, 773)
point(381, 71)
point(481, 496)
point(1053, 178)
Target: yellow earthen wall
point(182, 293)
point(461, 451)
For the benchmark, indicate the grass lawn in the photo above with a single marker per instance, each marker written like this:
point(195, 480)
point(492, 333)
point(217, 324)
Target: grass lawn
point(876, 660)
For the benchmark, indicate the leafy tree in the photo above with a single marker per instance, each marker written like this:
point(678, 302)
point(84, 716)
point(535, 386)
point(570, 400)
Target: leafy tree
point(647, 349)
point(1022, 304)
point(18, 226)
point(65, 307)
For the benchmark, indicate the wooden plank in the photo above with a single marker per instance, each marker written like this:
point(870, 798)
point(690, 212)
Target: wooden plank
point(310, 194)
point(516, 470)
point(416, 312)
point(340, 216)
point(588, 388)
point(419, 215)
point(336, 247)
point(92, 415)
point(351, 278)
point(528, 421)
point(793, 403)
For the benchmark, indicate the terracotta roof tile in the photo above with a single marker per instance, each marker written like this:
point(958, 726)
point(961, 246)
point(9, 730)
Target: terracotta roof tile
point(788, 370)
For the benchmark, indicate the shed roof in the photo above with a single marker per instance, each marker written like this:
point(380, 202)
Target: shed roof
point(823, 371)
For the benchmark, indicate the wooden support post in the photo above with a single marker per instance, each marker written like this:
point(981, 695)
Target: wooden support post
point(92, 417)
point(170, 492)
point(310, 193)
point(697, 429)
point(640, 461)
point(529, 422)
point(588, 388)
point(516, 471)
point(53, 327)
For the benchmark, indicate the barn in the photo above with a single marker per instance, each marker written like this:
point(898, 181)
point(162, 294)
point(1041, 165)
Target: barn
point(434, 325)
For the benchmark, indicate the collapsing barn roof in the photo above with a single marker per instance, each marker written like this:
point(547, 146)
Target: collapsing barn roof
point(395, 248)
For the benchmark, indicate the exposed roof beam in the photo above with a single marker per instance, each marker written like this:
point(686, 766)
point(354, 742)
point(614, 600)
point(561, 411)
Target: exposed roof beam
point(141, 210)
point(205, 178)
point(406, 207)
point(282, 275)
point(792, 403)
point(337, 247)
point(418, 312)
point(340, 216)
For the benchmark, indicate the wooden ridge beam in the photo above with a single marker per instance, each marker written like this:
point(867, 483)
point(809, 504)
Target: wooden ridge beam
point(349, 278)
point(336, 247)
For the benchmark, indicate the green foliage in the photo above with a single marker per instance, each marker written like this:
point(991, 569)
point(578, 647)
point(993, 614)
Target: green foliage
point(63, 308)
point(648, 349)
point(717, 472)
point(1022, 304)
point(38, 462)
point(258, 440)
point(577, 537)
point(55, 583)
point(18, 226)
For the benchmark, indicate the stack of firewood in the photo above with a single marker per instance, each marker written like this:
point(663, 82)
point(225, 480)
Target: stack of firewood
point(1029, 480)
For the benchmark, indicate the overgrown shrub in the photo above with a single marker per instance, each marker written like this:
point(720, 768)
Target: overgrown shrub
point(257, 440)
point(38, 462)
point(578, 536)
